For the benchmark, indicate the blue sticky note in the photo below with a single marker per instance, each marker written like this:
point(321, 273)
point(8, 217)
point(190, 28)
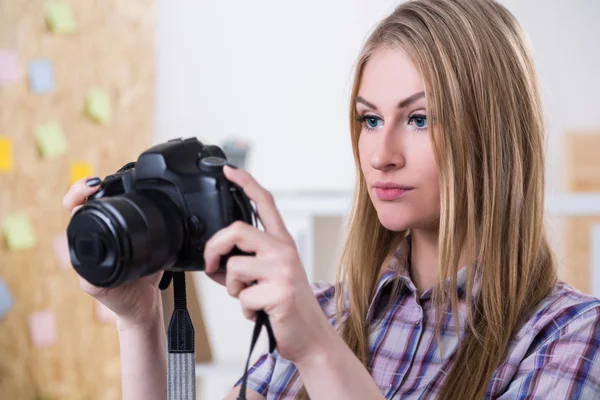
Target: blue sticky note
point(6, 301)
point(41, 76)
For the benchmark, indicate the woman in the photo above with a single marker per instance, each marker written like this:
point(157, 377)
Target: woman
point(448, 283)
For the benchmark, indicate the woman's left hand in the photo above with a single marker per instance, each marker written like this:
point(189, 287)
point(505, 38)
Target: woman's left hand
point(282, 289)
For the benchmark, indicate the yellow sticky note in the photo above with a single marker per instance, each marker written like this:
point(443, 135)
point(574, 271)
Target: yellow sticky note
point(51, 140)
point(18, 232)
point(60, 17)
point(6, 156)
point(97, 106)
point(80, 170)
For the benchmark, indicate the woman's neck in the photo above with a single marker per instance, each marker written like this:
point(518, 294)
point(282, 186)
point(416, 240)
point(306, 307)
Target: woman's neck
point(424, 258)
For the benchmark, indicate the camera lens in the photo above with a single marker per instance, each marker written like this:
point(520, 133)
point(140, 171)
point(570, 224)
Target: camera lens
point(114, 240)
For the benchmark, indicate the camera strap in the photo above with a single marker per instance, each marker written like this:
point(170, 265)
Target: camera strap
point(181, 371)
point(181, 368)
point(261, 320)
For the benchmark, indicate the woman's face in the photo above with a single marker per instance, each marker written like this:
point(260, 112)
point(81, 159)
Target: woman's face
point(396, 154)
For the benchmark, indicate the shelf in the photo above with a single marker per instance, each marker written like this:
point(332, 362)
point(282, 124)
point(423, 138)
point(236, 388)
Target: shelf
point(340, 203)
point(574, 204)
point(315, 203)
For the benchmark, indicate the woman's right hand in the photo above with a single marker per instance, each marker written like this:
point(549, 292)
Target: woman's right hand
point(135, 303)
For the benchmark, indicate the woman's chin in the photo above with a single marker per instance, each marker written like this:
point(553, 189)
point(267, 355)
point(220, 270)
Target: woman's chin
point(401, 220)
point(394, 226)
point(393, 221)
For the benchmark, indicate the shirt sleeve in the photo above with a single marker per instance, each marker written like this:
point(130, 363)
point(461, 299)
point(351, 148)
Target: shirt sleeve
point(566, 365)
point(260, 374)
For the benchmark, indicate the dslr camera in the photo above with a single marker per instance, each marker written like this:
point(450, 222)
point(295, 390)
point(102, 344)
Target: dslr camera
point(156, 214)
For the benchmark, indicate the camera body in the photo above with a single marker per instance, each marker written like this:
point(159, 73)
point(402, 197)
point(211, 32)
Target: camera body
point(156, 214)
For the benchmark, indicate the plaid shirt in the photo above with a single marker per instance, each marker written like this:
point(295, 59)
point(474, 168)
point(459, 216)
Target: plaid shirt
point(555, 355)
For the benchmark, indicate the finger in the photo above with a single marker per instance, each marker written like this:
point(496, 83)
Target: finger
point(80, 191)
point(249, 314)
point(259, 297)
point(234, 283)
point(247, 238)
point(265, 203)
point(242, 271)
point(219, 277)
point(75, 209)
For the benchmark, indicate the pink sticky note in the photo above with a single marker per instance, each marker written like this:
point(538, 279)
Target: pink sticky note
point(10, 70)
point(42, 328)
point(105, 314)
point(60, 245)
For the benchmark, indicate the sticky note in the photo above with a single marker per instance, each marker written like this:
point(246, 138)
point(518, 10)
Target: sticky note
point(42, 328)
point(60, 17)
point(6, 154)
point(6, 301)
point(18, 232)
point(60, 246)
point(51, 140)
point(105, 314)
point(10, 70)
point(98, 106)
point(80, 170)
point(41, 76)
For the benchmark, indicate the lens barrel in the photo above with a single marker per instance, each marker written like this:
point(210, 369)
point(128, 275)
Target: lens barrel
point(114, 240)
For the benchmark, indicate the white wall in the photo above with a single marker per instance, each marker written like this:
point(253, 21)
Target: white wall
point(565, 43)
point(279, 72)
point(274, 72)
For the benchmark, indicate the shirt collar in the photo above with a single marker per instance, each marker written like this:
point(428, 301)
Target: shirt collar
point(399, 268)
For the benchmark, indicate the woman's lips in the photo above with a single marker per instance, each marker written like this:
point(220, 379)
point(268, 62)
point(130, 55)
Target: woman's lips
point(390, 194)
point(390, 191)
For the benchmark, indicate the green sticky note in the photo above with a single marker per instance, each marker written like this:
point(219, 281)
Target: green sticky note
point(51, 140)
point(97, 106)
point(60, 17)
point(18, 232)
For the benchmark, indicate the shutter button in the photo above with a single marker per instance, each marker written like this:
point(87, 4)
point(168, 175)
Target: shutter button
point(211, 164)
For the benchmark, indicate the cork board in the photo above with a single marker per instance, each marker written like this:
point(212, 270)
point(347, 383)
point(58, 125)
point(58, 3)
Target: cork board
point(583, 161)
point(112, 49)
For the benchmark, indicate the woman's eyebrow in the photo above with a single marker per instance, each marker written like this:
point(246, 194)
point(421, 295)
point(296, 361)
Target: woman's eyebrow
point(366, 103)
point(411, 99)
point(402, 104)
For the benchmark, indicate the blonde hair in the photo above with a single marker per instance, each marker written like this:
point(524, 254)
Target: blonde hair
point(486, 126)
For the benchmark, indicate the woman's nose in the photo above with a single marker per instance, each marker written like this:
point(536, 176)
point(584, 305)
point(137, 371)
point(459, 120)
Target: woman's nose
point(388, 154)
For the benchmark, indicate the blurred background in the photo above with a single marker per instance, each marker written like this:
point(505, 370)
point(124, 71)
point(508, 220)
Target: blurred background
point(87, 86)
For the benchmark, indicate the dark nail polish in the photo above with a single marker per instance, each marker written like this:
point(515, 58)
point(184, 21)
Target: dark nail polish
point(231, 166)
point(93, 182)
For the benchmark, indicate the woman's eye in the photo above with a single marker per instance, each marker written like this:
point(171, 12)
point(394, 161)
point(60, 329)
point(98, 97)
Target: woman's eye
point(420, 121)
point(370, 122)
